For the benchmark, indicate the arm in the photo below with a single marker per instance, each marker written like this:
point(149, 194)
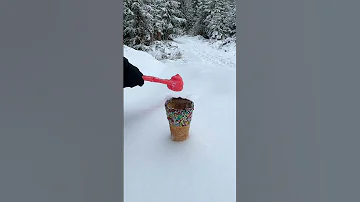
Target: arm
point(132, 75)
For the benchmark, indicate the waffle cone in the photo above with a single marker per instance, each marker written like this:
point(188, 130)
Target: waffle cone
point(179, 114)
point(179, 133)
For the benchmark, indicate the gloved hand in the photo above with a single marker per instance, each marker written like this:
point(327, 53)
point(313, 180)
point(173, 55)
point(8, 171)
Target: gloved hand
point(132, 75)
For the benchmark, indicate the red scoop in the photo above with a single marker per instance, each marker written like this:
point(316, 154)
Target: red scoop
point(175, 83)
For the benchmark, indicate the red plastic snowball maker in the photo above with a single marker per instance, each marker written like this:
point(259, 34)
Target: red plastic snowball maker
point(175, 83)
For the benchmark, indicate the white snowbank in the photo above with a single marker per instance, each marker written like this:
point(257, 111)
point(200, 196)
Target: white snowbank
point(165, 50)
point(144, 61)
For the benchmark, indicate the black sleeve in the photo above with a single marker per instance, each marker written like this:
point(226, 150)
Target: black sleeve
point(126, 67)
point(132, 75)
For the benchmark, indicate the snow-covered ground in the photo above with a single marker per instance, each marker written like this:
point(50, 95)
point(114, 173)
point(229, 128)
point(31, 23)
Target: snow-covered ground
point(202, 168)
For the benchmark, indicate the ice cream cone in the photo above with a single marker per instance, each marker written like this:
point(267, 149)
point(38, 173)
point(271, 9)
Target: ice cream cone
point(179, 114)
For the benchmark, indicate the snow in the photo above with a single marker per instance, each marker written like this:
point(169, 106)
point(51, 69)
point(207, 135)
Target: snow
point(164, 50)
point(202, 168)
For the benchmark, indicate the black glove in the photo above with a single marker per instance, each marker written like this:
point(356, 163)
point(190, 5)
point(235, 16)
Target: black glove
point(132, 75)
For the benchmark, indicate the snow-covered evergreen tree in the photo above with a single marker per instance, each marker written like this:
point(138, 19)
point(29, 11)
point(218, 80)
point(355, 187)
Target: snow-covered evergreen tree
point(148, 20)
point(172, 17)
point(218, 22)
point(231, 20)
point(202, 12)
point(128, 22)
point(185, 13)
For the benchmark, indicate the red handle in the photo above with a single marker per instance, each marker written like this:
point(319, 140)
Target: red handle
point(156, 80)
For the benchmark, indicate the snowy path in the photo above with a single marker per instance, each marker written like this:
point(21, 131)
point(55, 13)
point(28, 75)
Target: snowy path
point(208, 55)
point(202, 168)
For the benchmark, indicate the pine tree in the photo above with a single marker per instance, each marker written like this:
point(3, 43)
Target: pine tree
point(173, 23)
point(137, 24)
point(202, 12)
point(185, 13)
point(231, 20)
point(148, 20)
point(218, 22)
point(192, 15)
point(128, 22)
